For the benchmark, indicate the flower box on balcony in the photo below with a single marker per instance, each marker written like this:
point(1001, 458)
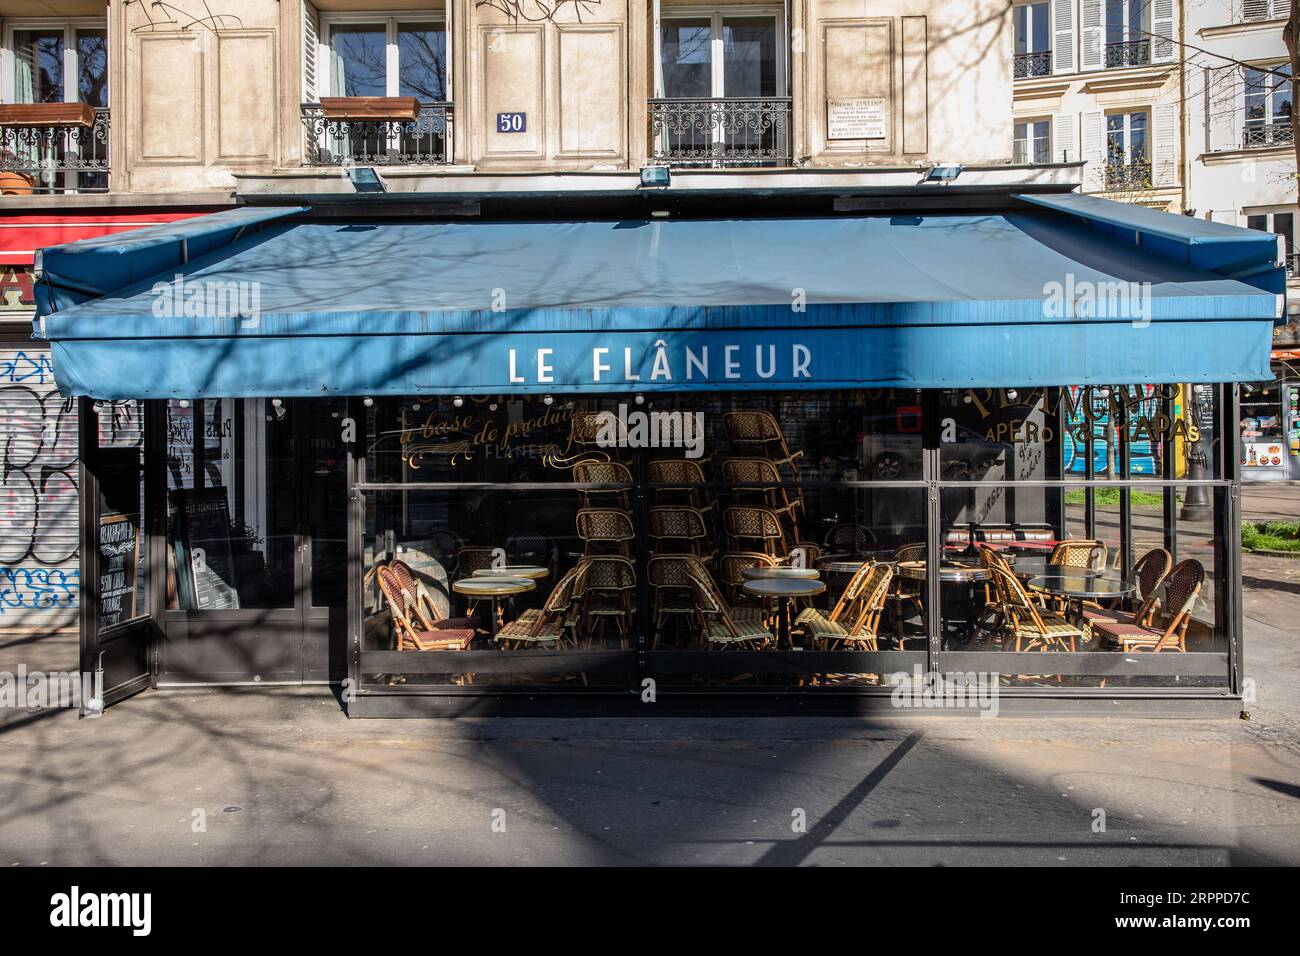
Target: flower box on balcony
point(406, 108)
point(47, 114)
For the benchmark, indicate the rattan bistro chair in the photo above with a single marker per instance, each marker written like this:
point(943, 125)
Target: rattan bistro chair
point(759, 431)
point(605, 531)
point(603, 473)
point(672, 593)
point(747, 526)
point(431, 608)
point(606, 591)
point(904, 592)
point(679, 529)
point(820, 626)
point(1151, 570)
point(549, 627)
point(849, 537)
point(1182, 587)
point(719, 625)
point(1030, 626)
point(765, 487)
point(732, 566)
point(680, 481)
point(1079, 553)
point(412, 635)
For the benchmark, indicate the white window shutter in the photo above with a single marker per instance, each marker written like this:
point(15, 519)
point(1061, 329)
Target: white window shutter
point(1255, 9)
point(1062, 36)
point(1092, 35)
point(1225, 95)
point(310, 53)
point(1063, 150)
point(1163, 25)
point(1164, 146)
point(1094, 151)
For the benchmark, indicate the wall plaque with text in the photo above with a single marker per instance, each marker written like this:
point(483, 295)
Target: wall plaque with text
point(859, 118)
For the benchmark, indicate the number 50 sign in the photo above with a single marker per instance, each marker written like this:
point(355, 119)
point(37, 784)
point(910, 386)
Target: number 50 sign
point(512, 122)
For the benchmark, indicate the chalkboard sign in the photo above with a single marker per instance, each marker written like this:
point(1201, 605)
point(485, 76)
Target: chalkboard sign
point(119, 551)
point(204, 562)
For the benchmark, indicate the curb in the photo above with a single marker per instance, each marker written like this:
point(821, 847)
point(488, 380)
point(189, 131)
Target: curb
point(1268, 552)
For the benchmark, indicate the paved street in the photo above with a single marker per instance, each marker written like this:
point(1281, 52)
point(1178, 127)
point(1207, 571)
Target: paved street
point(283, 778)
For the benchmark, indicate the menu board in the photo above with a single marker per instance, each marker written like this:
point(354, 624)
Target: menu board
point(204, 562)
point(119, 551)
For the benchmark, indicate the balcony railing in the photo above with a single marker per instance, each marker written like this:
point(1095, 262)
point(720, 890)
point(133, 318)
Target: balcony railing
point(1127, 177)
point(1293, 265)
point(730, 131)
point(1128, 53)
point(423, 141)
point(66, 158)
point(1033, 64)
point(1267, 134)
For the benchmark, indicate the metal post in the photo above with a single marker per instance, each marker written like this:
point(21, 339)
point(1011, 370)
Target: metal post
point(1196, 499)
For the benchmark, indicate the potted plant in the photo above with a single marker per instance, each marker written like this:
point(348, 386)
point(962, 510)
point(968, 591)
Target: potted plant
point(12, 181)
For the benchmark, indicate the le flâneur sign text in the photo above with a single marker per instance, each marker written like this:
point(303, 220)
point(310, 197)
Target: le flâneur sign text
point(707, 363)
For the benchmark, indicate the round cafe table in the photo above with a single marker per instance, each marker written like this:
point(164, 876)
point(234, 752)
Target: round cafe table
point(784, 591)
point(533, 572)
point(950, 572)
point(796, 574)
point(486, 587)
point(1084, 584)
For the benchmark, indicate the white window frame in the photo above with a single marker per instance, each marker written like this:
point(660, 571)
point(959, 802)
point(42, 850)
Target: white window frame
point(1029, 123)
point(1289, 247)
point(715, 15)
point(389, 20)
point(1032, 17)
point(71, 69)
point(1127, 113)
point(1126, 37)
point(1268, 95)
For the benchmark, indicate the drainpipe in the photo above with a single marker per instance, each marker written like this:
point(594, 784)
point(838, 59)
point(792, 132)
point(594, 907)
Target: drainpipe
point(1182, 108)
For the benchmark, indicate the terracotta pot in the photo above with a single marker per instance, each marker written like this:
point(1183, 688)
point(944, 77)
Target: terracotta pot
point(16, 184)
point(405, 108)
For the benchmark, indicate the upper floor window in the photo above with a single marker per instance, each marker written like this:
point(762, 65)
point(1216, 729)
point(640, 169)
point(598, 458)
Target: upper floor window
point(712, 54)
point(1128, 157)
point(1280, 223)
point(385, 56)
point(1033, 39)
point(1128, 33)
point(1263, 9)
point(1033, 142)
point(58, 63)
point(1268, 106)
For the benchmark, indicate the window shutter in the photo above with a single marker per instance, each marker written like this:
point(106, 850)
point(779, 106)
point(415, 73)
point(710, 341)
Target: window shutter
point(310, 53)
point(1225, 95)
point(1062, 36)
point(1063, 150)
point(1163, 47)
point(1255, 9)
point(1164, 146)
point(1094, 151)
point(1092, 35)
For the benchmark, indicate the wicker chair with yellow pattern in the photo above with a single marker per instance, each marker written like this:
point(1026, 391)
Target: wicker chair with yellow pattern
point(471, 558)
point(848, 537)
point(764, 486)
point(605, 593)
point(1082, 553)
point(1029, 625)
point(759, 431)
point(550, 627)
point(865, 625)
point(1181, 589)
point(1151, 571)
point(605, 531)
point(672, 593)
point(680, 529)
point(680, 481)
point(719, 625)
point(604, 473)
point(412, 635)
point(819, 626)
point(746, 526)
point(904, 592)
point(732, 566)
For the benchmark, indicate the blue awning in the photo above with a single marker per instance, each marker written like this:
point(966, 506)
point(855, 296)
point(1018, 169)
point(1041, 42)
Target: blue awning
point(1022, 298)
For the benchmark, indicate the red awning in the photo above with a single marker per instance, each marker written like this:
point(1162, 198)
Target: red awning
point(22, 235)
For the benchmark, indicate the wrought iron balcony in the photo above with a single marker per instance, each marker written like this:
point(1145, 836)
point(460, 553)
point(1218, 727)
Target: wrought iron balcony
point(721, 131)
point(424, 141)
point(1293, 265)
point(1128, 53)
point(1033, 64)
point(1127, 177)
point(55, 158)
point(1262, 135)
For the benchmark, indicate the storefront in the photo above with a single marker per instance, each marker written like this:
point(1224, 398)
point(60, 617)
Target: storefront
point(1270, 422)
point(700, 464)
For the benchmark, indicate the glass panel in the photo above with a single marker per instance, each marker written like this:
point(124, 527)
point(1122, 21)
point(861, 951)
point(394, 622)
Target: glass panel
point(748, 56)
point(1265, 437)
point(327, 500)
point(1022, 28)
point(998, 435)
point(120, 536)
point(1257, 86)
point(686, 50)
point(422, 61)
point(92, 67)
point(233, 489)
point(1040, 27)
point(360, 60)
point(38, 66)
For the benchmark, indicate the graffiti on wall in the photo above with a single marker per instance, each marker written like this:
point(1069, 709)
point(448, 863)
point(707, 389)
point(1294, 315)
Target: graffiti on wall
point(39, 573)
